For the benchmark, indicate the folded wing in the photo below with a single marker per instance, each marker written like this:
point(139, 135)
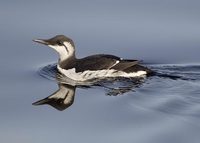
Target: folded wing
point(103, 62)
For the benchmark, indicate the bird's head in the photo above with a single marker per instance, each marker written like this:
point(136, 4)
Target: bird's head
point(61, 44)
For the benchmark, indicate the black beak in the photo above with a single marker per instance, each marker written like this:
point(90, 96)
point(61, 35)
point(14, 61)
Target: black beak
point(41, 41)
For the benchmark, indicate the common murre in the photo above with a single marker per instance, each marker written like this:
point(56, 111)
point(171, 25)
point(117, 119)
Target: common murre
point(91, 67)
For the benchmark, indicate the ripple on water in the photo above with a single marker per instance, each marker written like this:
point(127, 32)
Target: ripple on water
point(162, 93)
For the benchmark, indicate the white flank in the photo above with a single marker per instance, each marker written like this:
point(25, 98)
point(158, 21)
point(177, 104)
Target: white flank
point(88, 75)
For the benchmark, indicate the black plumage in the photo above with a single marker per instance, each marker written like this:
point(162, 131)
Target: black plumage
point(103, 62)
point(92, 63)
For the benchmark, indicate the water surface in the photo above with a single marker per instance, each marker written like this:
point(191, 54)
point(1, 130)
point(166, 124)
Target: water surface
point(156, 109)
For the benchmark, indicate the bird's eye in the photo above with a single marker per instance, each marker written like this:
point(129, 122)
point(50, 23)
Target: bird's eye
point(59, 43)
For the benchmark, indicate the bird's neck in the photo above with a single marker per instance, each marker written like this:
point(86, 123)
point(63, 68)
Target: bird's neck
point(67, 61)
point(66, 54)
point(67, 51)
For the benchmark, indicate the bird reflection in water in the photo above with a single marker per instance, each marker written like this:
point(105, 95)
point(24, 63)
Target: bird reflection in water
point(61, 99)
point(65, 95)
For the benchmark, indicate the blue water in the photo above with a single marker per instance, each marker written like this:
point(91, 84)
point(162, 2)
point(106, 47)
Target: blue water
point(158, 109)
point(173, 78)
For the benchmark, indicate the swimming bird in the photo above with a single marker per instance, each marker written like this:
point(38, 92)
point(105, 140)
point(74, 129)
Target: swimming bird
point(98, 66)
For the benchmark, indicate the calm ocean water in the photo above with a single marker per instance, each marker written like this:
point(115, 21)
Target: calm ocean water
point(158, 109)
point(155, 109)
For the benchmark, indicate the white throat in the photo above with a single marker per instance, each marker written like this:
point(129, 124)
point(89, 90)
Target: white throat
point(65, 51)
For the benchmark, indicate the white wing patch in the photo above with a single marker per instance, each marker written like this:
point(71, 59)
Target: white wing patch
point(88, 74)
point(114, 64)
